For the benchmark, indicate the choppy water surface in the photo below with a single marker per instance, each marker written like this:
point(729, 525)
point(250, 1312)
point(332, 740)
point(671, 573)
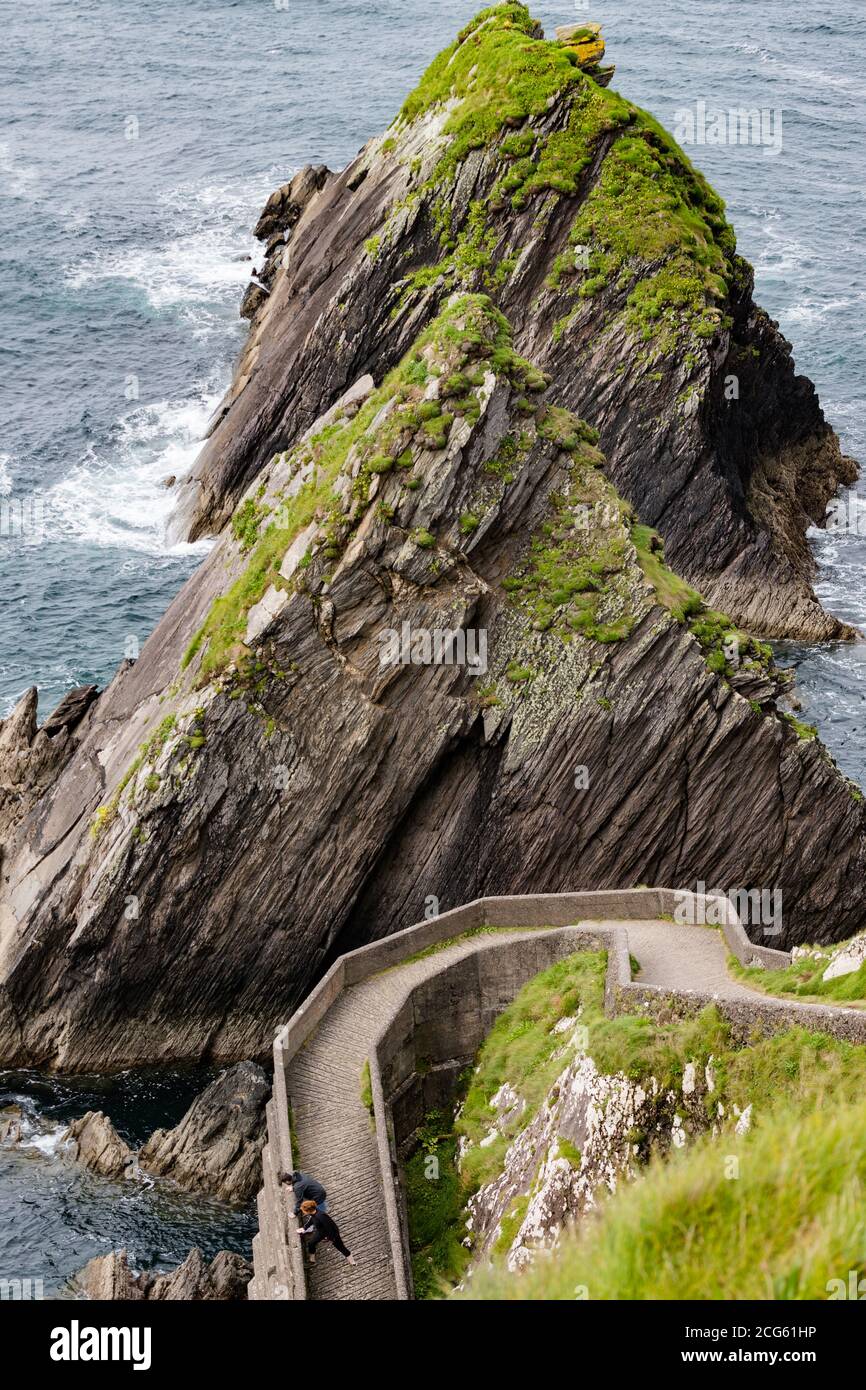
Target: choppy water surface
point(55, 1216)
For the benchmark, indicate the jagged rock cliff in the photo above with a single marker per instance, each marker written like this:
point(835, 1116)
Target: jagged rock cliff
point(510, 171)
point(268, 785)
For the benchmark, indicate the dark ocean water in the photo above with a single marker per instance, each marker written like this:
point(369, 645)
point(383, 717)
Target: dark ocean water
point(55, 1216)
point(137, 145)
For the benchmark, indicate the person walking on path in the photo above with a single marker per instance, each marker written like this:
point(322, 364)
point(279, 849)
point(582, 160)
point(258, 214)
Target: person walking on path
point(306, 1189)
point(317, 1227)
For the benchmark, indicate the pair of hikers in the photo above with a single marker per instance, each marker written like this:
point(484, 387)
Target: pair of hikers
point(311, 1206)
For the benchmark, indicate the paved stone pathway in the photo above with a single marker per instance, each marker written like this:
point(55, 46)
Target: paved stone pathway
point(335, 1137)
point(681, 958)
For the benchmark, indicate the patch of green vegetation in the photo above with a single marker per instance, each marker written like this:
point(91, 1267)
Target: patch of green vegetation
point(520, 1050)
point(367, 1088)
point(518, 146)
point(498, 74)
point(223, 630)
point(569, 1151)
point(650, 221)
point(510, 1225)
point(573, 562)
point(564, 428)
point(673, 593)
point(726, 647)
point(650, 206)
point(792, 1222)
point(804, 731)
point(803, 979)
point(451, 941)
point(435, 1195)
point(148, 752)
point(246, 522)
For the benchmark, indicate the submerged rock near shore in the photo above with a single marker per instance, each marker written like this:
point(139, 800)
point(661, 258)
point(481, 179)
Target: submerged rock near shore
point(487, 394)
point(215, 1149)
point(95, 1143)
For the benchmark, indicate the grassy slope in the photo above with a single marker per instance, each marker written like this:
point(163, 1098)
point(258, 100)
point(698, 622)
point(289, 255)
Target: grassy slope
point(775, 1215)
point(802, 980)
point(787, 1079)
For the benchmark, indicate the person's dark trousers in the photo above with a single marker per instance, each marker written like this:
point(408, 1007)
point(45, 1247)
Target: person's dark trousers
point(315, 1241)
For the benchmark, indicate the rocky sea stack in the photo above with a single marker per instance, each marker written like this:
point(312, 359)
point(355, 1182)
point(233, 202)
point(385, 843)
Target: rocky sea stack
point(505, 381)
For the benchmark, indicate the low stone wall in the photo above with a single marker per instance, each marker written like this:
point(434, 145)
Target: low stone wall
point(749, 1018)
point(436, 1034)
point(278, 1260)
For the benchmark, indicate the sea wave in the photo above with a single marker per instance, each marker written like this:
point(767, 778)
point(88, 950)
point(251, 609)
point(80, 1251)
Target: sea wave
point(116, 496)
point(17, 180)
point(205, 258)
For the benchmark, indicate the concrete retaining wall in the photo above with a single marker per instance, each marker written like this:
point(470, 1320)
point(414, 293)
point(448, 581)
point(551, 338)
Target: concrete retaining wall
point(420, 1055)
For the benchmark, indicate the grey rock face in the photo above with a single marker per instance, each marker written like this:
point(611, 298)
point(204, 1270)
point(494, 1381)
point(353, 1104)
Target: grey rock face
point(109, 1278)
point(731, 486)
point(95, 1142)
point(591, 1133)
point(305, 797)
point(217, 1146)
point(30, 757)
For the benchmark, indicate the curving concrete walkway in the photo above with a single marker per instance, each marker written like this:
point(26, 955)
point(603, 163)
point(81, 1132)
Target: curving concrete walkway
point(334, 1133)
point(682, 958)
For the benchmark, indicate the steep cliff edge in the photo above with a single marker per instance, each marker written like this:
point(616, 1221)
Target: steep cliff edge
point(292, 765)
point(510, 171)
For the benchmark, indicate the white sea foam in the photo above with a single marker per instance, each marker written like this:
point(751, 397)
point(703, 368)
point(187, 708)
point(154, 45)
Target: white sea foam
point(782, 253)
point(5, 475)
point(117, 498)
point(814, 76)
point(47, 1143)
point(35, 1131)
point(205, 259)
point(17, 180)
point(113, 495)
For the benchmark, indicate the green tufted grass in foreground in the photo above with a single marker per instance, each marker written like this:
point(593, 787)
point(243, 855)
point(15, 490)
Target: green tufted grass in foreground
point(786, 1078)
point(777, 1214)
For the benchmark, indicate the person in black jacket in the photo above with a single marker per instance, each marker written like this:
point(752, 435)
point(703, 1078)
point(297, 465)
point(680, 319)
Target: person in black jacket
point(317, 1227)
point(306, 1189)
